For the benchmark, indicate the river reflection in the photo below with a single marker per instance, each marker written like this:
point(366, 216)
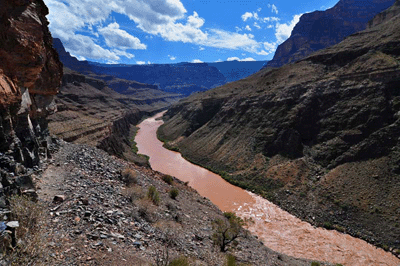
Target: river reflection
point(277, 229)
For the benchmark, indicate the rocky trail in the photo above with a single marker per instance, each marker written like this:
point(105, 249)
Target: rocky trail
point(93, 218)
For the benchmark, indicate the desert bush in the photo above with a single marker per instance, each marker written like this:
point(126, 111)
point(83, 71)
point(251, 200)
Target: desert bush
point(168, 179)
point(227, 230)
point(146, 211)
point(180, 261)
point(134, 193)
point(315, 263)
point(129, 176)
point(153, 195)
point(173, 193)
point(31, 244)
point(230, 260)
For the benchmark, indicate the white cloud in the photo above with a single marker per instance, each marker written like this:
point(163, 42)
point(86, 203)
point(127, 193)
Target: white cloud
point(115, 37)
point(256, 25)
point(202, 48)
point(171, 57)
point(283, 31)
point(273, 7)
point(231, 40)
point(271, 19)
point(248, 59)
point(270, 47)
point(123, 53)
point(197, 61)
point(140, 62)
point(219, 60)
point(167, 19)
point(195, 20)
point(248, 28)
point(246, 16)
point(84, 46)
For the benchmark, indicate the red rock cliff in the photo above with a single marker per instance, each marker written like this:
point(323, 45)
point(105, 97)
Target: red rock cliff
point(30, 74)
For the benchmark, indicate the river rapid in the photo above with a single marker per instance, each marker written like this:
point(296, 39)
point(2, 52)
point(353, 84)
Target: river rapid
point(276, 228)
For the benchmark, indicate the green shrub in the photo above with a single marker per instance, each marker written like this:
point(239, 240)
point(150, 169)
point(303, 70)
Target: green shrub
point(230, 260)
point(315, 263)
point(181, 261)
point(173, 193)
point(153, 195)
point(168, 179)
point(327, 225)
point(226, 231)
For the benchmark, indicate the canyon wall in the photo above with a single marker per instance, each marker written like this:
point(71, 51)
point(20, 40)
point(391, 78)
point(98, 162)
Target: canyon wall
point(321, 29)
point(319, 137)
point(30, 75)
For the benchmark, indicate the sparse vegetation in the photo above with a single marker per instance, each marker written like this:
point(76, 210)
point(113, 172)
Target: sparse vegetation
point(173, 193)
point(168, 179)
point(129, 176)
point(153, 195)
point(227, 230)
point(315, 263)
point(31, 246)
point(181, 261)
point(146, 211)
point(134, 193)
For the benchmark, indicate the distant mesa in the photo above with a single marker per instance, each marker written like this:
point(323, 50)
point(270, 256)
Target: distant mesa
point(184, 78)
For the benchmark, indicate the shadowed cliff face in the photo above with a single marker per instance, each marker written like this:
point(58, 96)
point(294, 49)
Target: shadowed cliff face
point(30, 74)
point(319, 137)
point(321, 29)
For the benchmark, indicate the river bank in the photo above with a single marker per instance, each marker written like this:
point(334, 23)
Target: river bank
point(276, 228)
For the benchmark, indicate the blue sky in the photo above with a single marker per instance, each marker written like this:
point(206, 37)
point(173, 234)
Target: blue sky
point(172, 31)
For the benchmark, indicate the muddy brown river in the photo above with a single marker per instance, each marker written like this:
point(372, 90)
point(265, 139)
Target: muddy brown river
point(277, 229)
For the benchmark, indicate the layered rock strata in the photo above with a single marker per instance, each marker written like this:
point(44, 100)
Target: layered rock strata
point(30, 75)
point(318, 137)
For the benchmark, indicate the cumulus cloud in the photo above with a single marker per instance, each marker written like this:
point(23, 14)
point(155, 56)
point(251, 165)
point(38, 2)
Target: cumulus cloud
point(197, 61)
point(164, 18)
point(246, 16)
point(248, 59)
point(248, 28)
point(283, 31)
point(140, 62)
point(231, 40)
point(171, 57)
point(115, 37)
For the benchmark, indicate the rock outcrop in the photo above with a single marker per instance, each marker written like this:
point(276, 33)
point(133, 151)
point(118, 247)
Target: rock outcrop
point(319, 137)
point(321, 29)
point(30, 75)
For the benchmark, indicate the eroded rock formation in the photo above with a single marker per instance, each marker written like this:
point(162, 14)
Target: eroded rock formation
point(30, 75)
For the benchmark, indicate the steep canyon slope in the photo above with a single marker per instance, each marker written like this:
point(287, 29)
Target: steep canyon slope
point(319, 137)
point(101, 110)
point(321, 29)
